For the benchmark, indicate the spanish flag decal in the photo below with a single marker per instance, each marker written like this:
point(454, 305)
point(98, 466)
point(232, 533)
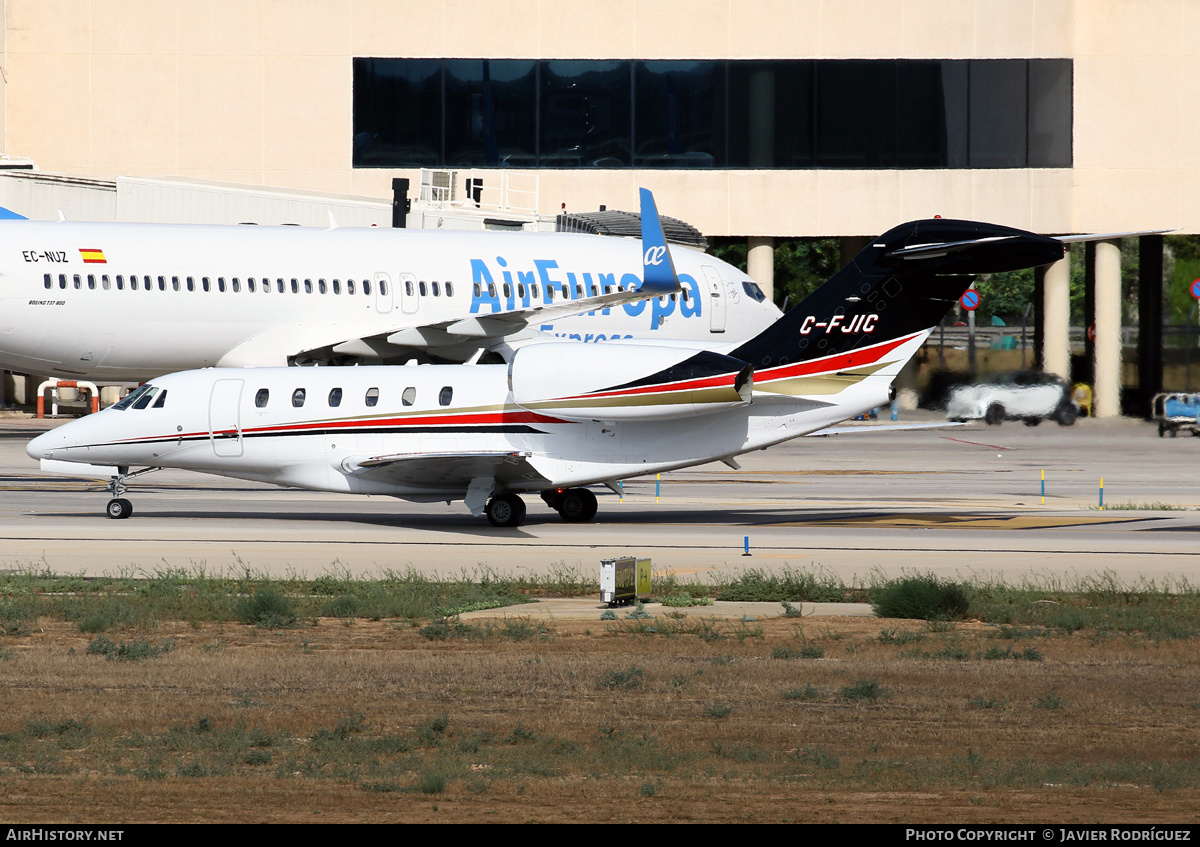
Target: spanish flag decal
point(92, 256)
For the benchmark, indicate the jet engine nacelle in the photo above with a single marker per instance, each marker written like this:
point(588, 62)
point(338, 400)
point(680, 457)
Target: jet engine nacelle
point(626, 381)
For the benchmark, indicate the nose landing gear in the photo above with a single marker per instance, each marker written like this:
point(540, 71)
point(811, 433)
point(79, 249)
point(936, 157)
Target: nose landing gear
point(118, 507)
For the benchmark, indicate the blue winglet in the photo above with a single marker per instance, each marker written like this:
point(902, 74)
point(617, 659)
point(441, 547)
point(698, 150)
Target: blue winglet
point(658, 269)
point(9, 215)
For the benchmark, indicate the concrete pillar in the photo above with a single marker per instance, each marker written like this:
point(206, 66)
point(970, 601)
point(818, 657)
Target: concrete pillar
point(1107, 368)
point(760, 263)
point(852, 245)
point(1056, 318)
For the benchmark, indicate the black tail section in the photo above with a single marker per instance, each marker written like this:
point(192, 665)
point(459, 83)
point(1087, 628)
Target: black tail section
point(904, 282)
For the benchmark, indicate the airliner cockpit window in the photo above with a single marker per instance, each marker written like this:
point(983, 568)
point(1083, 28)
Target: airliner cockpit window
point(144, 400)
point(131, 398)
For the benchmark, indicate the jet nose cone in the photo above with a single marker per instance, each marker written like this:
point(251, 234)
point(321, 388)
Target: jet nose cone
point(43, 446)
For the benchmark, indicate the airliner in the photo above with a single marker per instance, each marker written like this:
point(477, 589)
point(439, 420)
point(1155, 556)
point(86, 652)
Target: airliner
point(557, 417)
point(124, 302)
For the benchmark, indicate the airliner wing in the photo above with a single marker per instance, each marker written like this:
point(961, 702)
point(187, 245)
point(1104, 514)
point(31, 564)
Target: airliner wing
point(446, 471)
point(484, 330)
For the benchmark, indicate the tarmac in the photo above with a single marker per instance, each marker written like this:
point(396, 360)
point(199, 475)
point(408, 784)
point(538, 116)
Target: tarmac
point(964, 503)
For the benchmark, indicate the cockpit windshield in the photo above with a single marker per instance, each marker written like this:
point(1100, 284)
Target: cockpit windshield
point(141, 397)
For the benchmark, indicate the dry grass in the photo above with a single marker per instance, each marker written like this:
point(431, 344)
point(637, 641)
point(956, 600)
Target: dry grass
point(588, 721)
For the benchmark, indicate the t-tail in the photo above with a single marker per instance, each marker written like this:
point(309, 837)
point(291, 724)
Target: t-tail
point(871, 316)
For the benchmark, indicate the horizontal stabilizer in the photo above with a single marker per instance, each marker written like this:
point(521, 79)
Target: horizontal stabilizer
point(1108, 236)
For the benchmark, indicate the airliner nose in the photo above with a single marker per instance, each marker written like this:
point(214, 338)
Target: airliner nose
point(43, 446)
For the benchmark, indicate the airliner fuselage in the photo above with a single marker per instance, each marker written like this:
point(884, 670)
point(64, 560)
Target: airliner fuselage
point(125, 302)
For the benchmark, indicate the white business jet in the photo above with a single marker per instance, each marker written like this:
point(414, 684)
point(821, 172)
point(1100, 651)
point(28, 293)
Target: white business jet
point(117, 302)
point(558, 416)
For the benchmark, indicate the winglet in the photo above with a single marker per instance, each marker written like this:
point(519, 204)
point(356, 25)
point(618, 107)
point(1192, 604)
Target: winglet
point(10, 215)
point(658, 269)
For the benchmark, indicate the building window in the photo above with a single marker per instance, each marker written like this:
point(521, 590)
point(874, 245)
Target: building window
point(695, 114)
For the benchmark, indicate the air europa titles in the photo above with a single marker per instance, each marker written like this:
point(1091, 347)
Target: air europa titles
point(859, 323)
point(503, 289)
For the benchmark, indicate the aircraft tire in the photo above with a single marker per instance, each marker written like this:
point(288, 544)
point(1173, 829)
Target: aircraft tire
point(577, 505)
point(1067, 414)
point(118, 508)
point(995, 415)
point(506, 510)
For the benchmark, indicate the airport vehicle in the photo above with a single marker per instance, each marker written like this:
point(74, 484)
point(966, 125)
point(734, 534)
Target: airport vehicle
point(557, 417)
point(1176, 410)
point(1029, 396)
point(124, 302)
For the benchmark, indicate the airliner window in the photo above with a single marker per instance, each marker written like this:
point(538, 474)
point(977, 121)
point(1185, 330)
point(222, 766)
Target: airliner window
point(174, 283)
point(191, 284)
point(161, 401)
point(131, 398)
point(372, 396)
point(434, 286)
point(92, 281)
point(337, 286)
point(408, 289)
point(144, 400)
point(321, 286)
point(78, 281)
point(105, 282)
point(236, 284)
point(120, 283)
point(491, 289)
point(221, 284)
point(62, 280)
point(308, 289)
point(507, 291)
point(383, 287)
point(421, 287)
point(445, 396)
point(49, 280)
point(477, 289)
point(335, 397)
point(409, 396)
point(148, 283)
point(298, 397)
point(449, 289)
point(204, 283)
point(349, 286)
point(295, 286)
point(133, 282)
point(366, 286)
point(162, 283)
point(279, 285)
point(250, 285)
point(260, 399)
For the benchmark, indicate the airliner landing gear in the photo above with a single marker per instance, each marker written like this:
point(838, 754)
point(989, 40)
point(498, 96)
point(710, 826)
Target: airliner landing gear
point(505, 510)
point(118, 507)
point(575, 505)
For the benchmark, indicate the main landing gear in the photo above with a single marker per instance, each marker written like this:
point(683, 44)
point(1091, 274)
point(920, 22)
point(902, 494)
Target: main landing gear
point(575, 505)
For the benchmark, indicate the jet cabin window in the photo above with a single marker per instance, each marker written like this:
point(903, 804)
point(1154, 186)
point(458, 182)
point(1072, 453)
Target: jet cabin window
point(335, 397)
point(445, 396)
point(409, 396)
point(298, 397)
point(372, 397)
point(260, 399)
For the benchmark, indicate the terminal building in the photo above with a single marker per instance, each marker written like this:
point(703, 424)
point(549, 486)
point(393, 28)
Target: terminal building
point(751, 119)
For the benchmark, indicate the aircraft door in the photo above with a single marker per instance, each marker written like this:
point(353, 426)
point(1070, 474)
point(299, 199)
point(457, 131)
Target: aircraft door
point(383, 293)
point(716, 299)
point(225, 417)
point(409, 301)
